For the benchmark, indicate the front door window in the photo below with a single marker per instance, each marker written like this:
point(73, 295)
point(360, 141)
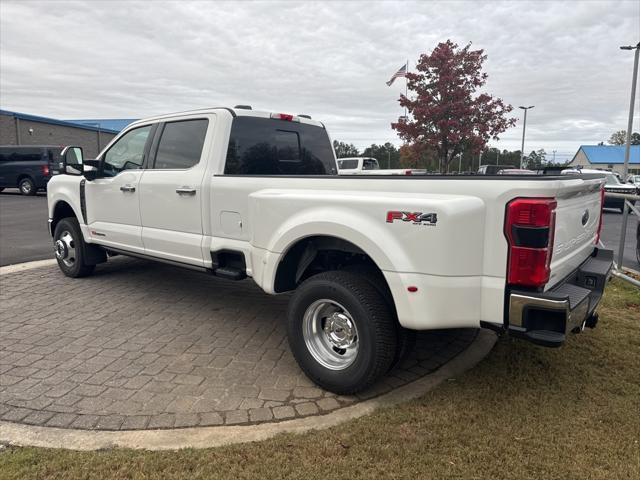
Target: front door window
point(127, 153)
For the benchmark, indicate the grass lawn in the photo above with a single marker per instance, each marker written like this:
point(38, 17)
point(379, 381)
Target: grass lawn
point(525, 412)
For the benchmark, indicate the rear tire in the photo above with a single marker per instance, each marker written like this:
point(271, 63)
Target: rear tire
point(406, 338)
point(69, 247)
point(341, 331)
point(27, 187)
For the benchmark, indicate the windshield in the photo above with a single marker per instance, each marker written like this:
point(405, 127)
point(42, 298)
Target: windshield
point(611, 179)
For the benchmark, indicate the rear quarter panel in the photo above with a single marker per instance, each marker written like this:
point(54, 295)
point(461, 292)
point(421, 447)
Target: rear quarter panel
point(461, 261)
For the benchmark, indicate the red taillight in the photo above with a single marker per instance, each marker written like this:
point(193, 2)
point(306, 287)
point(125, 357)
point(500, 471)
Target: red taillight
point(530, 228)
point(600, 220)
point(45, 170)
point(408, 172)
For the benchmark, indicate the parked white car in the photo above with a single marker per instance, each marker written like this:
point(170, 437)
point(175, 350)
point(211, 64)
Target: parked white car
point(238, 193)
point(369, 166)
point(612, 185)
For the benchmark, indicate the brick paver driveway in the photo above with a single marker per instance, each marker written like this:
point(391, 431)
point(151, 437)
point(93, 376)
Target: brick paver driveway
point(143, 345)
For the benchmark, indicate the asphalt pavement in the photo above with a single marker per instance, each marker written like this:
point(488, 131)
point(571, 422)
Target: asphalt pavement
point(24, 236)
point(611, 229)
point(23, 228)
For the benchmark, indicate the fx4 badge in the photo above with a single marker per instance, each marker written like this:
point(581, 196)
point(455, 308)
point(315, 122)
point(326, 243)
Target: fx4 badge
point(417, 218)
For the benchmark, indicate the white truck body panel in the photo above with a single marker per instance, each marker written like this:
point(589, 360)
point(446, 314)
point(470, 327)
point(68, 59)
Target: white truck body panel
point(457, 264)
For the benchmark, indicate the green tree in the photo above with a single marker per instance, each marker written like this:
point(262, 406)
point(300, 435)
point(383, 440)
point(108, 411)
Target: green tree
point(344, 149)
point(493, 156)
point(388, 155)
point(620, 138)
point(535, 160)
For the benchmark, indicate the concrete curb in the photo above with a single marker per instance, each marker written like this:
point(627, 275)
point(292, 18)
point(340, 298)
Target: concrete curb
point(21, 267)
point(204, 437)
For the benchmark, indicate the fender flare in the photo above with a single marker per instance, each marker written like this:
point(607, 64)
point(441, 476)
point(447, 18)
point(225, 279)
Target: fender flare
point(360, 233)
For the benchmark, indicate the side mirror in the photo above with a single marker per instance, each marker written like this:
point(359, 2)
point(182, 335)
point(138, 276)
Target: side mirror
point(72, 161)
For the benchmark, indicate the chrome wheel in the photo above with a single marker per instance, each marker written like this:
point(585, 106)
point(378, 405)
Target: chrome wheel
point(65, 249)
point(25, 187)
point(330, 334)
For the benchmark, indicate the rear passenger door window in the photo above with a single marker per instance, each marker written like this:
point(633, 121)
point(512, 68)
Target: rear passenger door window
point(180, 145)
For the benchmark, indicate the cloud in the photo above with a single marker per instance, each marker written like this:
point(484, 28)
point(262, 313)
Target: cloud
point(330, 60)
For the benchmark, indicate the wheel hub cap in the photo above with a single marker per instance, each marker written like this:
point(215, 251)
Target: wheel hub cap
point(61, 250)
point(330, 334)
point(339, 330)
point(65, 249)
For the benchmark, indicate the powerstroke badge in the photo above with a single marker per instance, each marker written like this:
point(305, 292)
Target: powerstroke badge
point(416, 218)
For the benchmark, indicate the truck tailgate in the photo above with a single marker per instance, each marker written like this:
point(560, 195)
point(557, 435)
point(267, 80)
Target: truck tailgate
point(577, 221)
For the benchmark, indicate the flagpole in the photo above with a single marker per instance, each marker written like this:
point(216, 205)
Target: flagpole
point(406, 89)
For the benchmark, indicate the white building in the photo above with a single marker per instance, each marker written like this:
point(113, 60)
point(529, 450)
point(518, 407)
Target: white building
point(607, 157)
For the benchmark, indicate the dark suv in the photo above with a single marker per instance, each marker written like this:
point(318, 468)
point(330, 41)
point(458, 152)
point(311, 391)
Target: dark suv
point(28, 168)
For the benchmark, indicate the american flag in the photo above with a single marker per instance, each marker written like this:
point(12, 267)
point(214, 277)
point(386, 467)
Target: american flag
point(402, 72)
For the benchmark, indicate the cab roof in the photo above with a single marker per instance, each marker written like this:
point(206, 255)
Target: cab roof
point(235, 112)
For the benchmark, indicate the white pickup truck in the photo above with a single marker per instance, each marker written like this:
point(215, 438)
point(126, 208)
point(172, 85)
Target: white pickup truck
point(369, 259)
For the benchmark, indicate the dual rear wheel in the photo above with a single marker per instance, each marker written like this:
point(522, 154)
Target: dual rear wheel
point(343, 332)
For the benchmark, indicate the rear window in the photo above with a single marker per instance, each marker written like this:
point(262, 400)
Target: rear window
point(54, 154)
point(262, 146)
point(370, 164)
point(348, 164)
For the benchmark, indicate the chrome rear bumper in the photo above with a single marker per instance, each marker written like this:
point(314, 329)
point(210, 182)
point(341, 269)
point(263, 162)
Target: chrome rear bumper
point(545, 318)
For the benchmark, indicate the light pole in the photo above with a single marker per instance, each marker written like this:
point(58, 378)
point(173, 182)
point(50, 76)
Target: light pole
point(524, 129)
point(633, 97)
point(625, 169)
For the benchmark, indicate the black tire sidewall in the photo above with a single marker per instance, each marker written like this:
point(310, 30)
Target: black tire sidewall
point(360, 372)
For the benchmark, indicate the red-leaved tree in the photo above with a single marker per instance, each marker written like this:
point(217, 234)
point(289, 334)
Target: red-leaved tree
point(448, 115)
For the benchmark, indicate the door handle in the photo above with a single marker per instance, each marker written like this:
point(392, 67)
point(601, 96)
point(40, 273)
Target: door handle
point(128, 188)
point(186, 191)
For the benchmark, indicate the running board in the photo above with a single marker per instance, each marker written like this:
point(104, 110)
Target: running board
point(230, 273)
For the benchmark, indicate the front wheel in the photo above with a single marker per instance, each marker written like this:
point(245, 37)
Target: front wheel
point(341, 331)
point(69, 248)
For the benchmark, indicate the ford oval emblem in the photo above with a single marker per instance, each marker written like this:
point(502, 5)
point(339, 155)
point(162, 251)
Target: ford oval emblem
point(585, 217)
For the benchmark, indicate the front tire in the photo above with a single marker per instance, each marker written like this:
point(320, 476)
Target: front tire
point(341, 331)
point(70, 249)
point(27, 187)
